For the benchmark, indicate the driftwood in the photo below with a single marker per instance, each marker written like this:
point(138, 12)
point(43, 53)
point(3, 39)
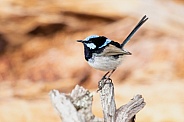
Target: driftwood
point(77, 106)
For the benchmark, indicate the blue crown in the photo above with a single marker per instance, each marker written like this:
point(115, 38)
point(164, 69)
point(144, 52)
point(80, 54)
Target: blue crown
point(90, 37)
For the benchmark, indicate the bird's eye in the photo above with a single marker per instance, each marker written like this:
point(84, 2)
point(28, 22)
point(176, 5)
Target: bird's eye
point(89, 41)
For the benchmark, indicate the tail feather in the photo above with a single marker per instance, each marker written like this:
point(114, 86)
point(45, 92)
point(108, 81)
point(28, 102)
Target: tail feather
point(144, 19)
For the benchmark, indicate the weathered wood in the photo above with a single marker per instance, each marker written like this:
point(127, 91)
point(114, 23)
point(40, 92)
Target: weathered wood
point(77, 106)
point(127, 112)
point(107, 100)
point(74, 107)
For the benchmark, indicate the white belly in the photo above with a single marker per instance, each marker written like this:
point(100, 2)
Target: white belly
point(105, 63)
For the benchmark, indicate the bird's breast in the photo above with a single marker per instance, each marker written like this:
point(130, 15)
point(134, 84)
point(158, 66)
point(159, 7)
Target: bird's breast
point(105, 63)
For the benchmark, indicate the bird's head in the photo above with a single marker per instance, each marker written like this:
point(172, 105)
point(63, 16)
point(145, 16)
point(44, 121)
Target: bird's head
point(95, 42)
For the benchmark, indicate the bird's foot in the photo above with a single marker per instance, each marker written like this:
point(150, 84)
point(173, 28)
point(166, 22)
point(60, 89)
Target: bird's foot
point(102, 83)
point(104, 80)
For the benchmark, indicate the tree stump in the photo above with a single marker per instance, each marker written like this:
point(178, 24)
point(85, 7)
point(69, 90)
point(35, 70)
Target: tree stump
point(77, 106)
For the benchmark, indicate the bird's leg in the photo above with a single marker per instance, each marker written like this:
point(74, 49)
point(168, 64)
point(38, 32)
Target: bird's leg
point(111, 73)
point(108, 77)
point(102, 82)
point(104, 77)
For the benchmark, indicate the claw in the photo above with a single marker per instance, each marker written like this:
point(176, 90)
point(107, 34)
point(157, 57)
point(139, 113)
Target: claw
point(102, 83)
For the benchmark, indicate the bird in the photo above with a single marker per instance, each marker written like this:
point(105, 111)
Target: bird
point(105, 54)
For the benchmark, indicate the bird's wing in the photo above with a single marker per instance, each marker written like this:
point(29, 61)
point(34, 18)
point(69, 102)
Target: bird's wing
point(112, 50)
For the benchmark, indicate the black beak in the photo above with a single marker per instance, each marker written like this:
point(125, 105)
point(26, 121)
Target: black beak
point(80, 41)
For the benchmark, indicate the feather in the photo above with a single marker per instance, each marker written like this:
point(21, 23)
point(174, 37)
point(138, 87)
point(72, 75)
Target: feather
point(112, 50)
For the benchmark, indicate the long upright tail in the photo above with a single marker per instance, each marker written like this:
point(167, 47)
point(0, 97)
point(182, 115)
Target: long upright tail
point(134, 30)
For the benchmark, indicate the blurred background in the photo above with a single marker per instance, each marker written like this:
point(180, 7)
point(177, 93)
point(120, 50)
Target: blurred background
point(39, 52)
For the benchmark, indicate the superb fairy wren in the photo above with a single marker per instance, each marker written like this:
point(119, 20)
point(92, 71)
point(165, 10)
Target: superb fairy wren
point(105, 54)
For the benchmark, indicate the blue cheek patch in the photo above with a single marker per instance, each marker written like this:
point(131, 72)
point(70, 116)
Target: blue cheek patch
point(106, 43)
point(91, 45)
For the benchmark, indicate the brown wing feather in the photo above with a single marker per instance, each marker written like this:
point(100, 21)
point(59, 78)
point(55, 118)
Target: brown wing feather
point(112, 50)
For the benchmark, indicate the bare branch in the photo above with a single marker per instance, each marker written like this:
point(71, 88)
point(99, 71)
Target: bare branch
point(74, 107)
point(77, 106)
point(126, 112)
point(107, 100)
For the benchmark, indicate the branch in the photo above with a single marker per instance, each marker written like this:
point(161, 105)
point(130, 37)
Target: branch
point(74, 107)
point(107, 100)
point(127, 112)
point(77, 106)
